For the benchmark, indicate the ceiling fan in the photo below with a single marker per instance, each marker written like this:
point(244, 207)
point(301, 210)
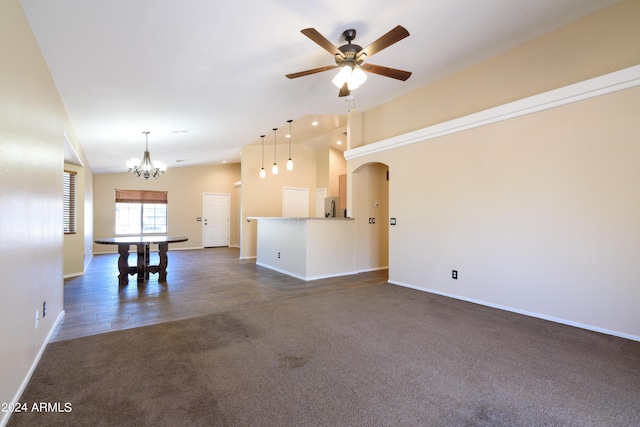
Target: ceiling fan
point(351, 58)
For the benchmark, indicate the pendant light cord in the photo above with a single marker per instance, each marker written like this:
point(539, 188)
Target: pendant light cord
point(275, 142)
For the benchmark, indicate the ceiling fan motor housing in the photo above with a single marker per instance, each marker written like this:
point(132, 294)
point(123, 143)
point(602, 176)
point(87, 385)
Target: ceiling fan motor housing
point(349, 50)
point(349, 35)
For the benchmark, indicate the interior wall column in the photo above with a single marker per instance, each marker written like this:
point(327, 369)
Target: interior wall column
point(354, 139)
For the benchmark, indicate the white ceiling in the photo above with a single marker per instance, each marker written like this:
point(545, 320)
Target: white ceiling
point(216, 69)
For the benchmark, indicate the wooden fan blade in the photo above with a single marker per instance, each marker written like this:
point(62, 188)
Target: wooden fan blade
point(321, 40)
point(386, 71)
point(393, 36)
point(344, 90)
point(313, 71)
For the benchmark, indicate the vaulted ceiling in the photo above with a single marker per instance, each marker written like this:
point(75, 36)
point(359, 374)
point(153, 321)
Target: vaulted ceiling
point(207, 77)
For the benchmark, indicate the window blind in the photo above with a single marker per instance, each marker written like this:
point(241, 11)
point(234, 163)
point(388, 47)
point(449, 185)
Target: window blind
point(69, 201)
point(141, 196)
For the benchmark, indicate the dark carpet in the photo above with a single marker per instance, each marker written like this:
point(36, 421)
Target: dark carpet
point(380, 355)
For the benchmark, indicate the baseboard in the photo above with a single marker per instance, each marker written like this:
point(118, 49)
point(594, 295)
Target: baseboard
point(523, 312)
point(366, 270)
point(279, 270)
point(307, 278)
point(86, 263)
point(5, 419)
point(68, 276)
point(248, 257)
point(328, 276)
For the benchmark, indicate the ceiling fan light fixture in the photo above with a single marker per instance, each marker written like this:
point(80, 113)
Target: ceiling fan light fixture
point(358, 77)
point(350, 74)
point(343, 76)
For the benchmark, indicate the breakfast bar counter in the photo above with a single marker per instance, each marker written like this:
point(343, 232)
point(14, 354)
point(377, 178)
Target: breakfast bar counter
point(307, 248)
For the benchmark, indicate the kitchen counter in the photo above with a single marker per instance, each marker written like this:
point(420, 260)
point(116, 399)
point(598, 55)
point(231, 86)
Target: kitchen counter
point(307, 248)
point(298, 218)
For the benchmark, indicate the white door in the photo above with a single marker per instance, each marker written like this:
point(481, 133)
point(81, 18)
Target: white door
point(295, 202)
point(321, 194)
point(215, 220)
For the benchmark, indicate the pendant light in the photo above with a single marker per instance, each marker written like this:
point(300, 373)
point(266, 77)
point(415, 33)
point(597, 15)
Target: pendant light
point(290, 162)
point(262, 172)
point(274, 169)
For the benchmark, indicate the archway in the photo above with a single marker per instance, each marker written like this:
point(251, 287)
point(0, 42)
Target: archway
point(370, 186)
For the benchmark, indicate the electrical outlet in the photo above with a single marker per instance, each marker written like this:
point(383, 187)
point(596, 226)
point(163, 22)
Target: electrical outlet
point(454, 274)
point(44, 309)
point(278, 255)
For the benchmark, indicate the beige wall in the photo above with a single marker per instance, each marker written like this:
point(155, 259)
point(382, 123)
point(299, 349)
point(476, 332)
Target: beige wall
point(330, 164)
point(323, 167)
point(33, 122)
point(337, 167)
point(538, 214)
point(598, 44)
point(185, 186)
point(88, 199)
point(78, 246)
point(263, 197)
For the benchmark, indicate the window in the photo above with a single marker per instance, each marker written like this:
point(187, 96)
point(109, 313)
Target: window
point(69, 201)
point(141, 212)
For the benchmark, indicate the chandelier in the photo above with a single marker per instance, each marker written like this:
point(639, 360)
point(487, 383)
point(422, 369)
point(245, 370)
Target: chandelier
point(146, 168)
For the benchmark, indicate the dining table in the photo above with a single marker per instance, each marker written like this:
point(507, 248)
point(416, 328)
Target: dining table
point(142, 267)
